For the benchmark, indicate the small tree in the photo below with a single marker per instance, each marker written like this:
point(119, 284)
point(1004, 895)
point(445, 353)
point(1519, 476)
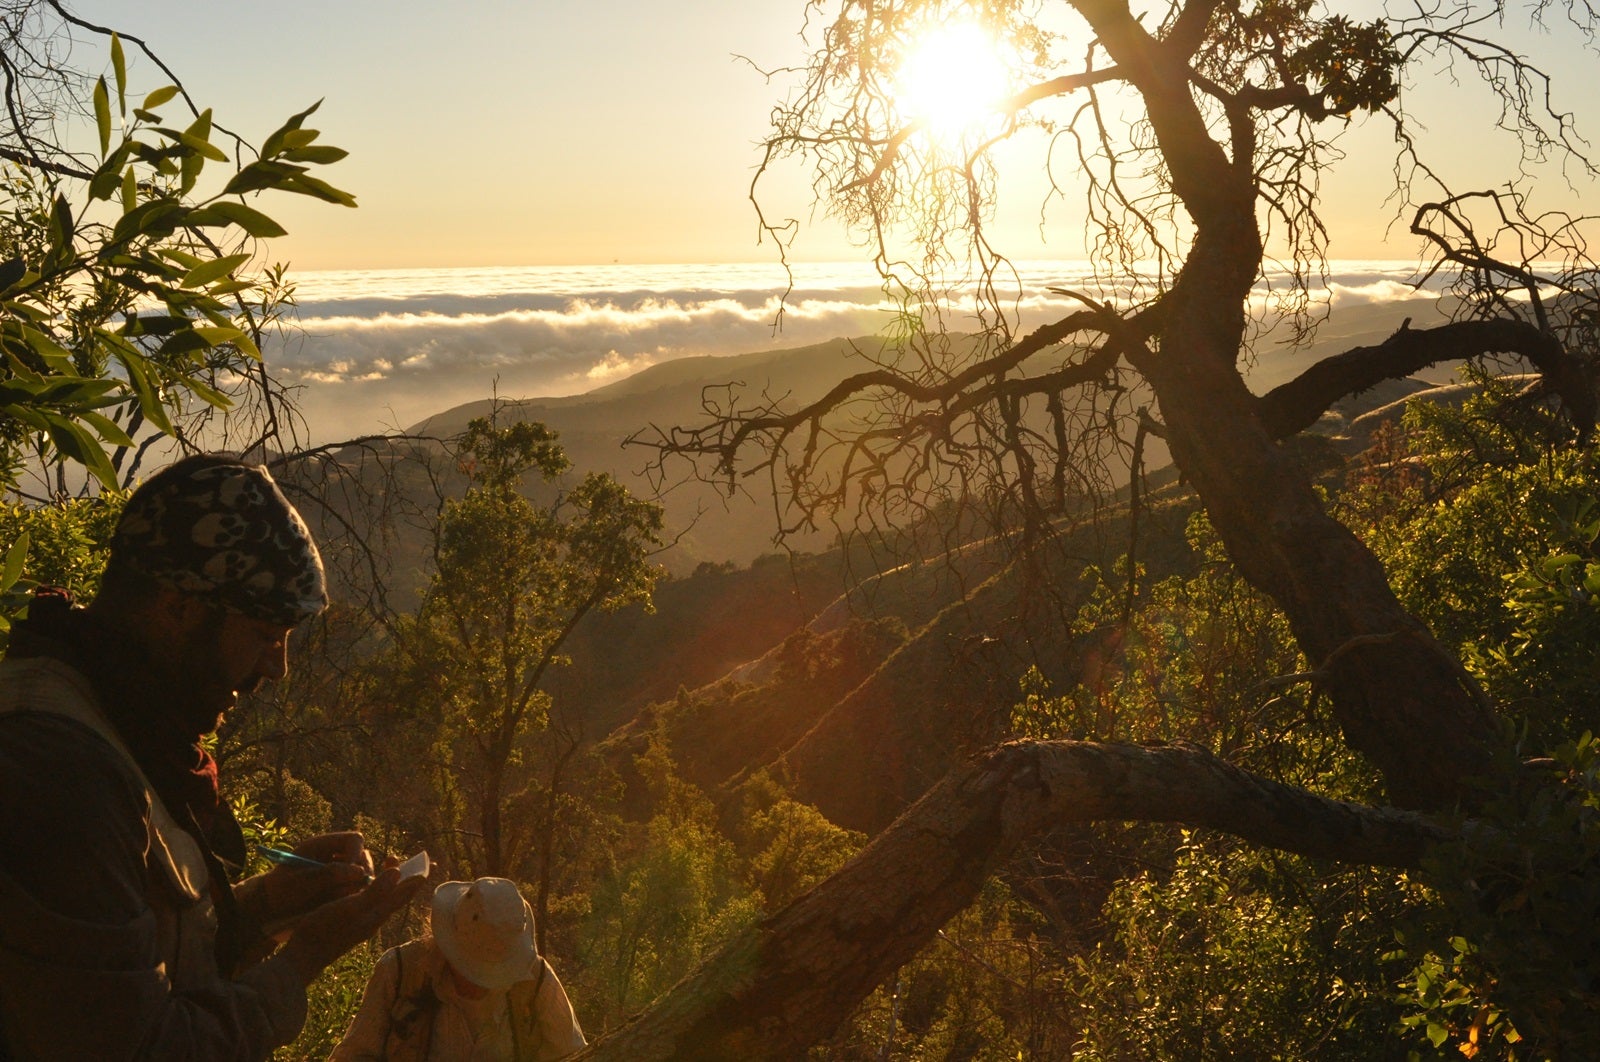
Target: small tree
point(512, 580)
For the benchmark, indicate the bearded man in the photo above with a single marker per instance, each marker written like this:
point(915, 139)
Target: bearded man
point(121, 936)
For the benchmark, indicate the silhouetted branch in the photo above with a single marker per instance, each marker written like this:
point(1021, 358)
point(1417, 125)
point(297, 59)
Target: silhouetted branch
point(1296, 405)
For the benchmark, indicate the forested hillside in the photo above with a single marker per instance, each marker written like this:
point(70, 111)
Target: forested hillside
point(1180, 677)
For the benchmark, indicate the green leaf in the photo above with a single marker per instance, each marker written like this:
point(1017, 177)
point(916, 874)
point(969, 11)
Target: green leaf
point(298, 138)
point(102, 116)
point(130, 190)
point(29, 416)
point(72, 393)
point(195, 138)
point(183, 258)
point(319, 155)
point(189, 172)
point(20, 371)
point(104, 181)
point(12, 270)
point(155, 325)
point(157, 218)
point(159, 96)
point(106, 428)
point(218, 334)
point(187, 343)
point(61, 225)
point(227, 212)
point(308, 185)
point(133, 363)
point(119, 64)
point(75, 443)
point(273, 145)
point(206, 272)
point(16, 557)
point(206, 393)
point(25, 311)
point(261, 175)
point(44, 345)
point(1591, 578)
point(204, 147)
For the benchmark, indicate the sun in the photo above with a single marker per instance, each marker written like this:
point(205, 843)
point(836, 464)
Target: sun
point(952, 79)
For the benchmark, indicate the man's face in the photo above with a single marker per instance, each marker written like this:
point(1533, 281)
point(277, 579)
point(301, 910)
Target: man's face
point(221, 655)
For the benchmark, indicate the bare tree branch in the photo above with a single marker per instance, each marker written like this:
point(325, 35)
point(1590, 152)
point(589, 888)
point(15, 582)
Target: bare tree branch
point(1294, 406)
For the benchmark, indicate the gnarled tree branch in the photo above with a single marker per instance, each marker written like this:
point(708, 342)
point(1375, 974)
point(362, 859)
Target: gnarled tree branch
point(1296, 405)
point(787, 983)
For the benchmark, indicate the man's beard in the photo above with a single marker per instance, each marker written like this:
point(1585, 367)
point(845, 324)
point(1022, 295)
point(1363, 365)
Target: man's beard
point(201, 689)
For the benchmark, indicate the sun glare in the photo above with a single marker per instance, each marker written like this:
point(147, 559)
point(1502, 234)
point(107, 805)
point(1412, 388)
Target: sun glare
point(952, 79)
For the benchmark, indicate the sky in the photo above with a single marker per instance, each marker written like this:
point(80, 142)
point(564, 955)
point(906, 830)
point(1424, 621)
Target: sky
point(564, 132)
point(496, 132)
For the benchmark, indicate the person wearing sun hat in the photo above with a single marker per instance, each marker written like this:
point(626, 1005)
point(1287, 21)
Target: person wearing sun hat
point(121, 934)
point(476, 988)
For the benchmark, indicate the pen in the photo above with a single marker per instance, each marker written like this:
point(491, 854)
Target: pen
point(286, 858)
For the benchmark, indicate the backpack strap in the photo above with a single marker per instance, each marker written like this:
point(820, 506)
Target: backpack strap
point(523, 1003)
point(415, 1004)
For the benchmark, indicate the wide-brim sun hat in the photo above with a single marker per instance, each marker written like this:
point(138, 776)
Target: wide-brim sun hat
point(484, 928)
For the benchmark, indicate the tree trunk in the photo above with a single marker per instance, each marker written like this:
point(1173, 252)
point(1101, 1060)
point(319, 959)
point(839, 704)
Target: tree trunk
point(490, 818)
point(788, 982)
point(1398, 696)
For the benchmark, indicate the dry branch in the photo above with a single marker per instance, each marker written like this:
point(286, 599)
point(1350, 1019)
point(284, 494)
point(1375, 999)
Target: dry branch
point(1296, 405)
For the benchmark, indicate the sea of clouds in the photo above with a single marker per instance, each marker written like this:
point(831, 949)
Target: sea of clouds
point(383, 349)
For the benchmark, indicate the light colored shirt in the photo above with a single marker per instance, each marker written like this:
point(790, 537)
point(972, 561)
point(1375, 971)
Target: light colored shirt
point(463, 1029)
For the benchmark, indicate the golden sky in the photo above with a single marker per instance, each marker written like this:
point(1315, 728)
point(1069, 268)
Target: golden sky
point(508, 132)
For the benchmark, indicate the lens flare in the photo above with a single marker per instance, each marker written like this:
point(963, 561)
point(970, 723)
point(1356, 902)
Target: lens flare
point(952, 79)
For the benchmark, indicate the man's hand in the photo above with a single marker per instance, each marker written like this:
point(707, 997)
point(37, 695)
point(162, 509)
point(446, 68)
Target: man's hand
point(280, 896)
point(334, 928)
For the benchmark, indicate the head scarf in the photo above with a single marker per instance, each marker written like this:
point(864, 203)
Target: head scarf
point(222, 530)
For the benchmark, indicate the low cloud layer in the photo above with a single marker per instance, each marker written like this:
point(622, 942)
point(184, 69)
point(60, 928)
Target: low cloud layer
point(387, 349)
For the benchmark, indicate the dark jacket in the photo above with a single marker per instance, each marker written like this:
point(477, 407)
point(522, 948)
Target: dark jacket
point(107, 921)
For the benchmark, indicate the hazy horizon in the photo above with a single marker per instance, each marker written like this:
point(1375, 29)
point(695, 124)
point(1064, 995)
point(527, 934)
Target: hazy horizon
point(374, 350)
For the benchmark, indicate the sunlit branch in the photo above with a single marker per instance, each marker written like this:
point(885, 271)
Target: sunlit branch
point(1009, 107)
point(976, 385)
point(785, 983)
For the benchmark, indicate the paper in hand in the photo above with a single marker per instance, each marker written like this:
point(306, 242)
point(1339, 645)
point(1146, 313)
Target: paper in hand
point(418, 866)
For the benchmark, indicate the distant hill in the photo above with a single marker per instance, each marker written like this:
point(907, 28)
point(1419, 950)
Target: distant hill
point(705, 524)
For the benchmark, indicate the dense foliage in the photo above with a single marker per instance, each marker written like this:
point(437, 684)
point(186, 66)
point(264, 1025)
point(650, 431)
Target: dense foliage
point(1111, 943)
point(128, 295)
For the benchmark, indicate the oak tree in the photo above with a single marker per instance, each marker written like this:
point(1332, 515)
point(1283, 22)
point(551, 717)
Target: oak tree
point(1196, 133)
